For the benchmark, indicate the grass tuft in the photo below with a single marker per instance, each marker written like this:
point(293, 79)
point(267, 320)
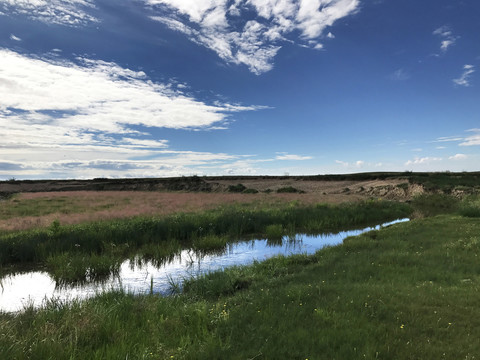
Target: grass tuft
point(435, 204)
point(470, 207)
point(274, 232)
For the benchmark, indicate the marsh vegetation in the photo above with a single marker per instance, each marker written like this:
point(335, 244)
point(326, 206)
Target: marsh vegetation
point(405, 291)
point(92, 250)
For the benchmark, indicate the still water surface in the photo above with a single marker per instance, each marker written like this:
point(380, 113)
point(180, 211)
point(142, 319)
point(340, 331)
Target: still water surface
point(36, 287)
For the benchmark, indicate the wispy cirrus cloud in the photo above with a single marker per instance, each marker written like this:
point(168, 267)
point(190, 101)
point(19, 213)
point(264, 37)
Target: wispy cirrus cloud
point(472, 140)
point(61, 12)
point(456, 162)
point(400, 75)
point(449, 139)
point(98, 95)
point(292, 157)
point(220, 26)
point(422, 160)
point(464, 79)
point(91, 110)
point(458, 157)
point(166, 163)
point(357, 164)
point(447, 38)
point(14, 38)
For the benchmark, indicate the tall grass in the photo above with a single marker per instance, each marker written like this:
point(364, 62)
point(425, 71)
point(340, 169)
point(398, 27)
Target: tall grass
point(435, 204)
point(67, 268)
point(184, 228)
point(470, 207)
point(209, 243)
point(274, 232)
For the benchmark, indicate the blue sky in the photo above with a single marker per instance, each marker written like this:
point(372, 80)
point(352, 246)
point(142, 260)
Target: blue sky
point(140, 88)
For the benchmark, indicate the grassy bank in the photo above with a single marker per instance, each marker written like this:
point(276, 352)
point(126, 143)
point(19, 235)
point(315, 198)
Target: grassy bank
point(409, 291)
point(75, 252)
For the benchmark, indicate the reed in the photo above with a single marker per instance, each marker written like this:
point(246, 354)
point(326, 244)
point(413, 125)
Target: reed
point(232, 222)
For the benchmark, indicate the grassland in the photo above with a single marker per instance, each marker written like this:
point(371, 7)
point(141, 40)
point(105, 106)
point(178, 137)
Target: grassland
point(38, 210)
point(33, 204)
point(409, 291)
point(75, 252)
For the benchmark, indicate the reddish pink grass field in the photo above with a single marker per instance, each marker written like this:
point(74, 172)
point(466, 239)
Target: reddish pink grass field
point(93, 206)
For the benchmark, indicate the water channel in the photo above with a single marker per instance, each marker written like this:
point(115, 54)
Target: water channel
point(36, 287)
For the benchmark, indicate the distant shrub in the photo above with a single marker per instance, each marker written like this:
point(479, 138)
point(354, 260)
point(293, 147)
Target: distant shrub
point(445, 181)
point(250, 191)
point(237, 188)
point(289, 189)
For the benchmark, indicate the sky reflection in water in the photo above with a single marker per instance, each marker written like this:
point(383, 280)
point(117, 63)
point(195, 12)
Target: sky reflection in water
point(33, 288)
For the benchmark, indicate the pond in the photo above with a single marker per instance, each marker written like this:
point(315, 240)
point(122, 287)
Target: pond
point(36, 287)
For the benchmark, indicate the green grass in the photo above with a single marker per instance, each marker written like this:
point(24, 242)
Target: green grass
point(68, 268)
point(435, 204)
point(470, 207)
point(232, 222)
point(274, 232)
point(409, 291)
point(210, 242)
point(16, 207)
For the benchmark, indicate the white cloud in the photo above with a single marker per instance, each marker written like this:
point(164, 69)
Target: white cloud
point(218, 25)
point(449, 139)
point(169, 163)
point(357, 164)
point(99, 96)
point(422, 161)
point(472, 140)
point(284, 156)
point(14, 38)
point(400, 75)
point(458, 157)
point(443, 31)
point(62, 12)
point(446, 36)
point(464, 79)
point(445, 44)
point(90, 110)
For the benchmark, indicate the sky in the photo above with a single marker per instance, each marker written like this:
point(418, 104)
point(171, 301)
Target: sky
point(156, 88)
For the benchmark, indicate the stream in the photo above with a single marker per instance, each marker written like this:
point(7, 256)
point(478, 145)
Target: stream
point(34, 288)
